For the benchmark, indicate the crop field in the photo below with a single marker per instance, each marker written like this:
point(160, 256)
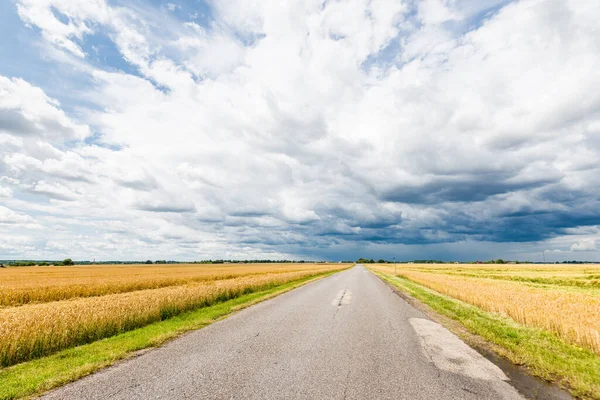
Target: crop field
point(563, 299)
point(43, 284)
point(47, 309)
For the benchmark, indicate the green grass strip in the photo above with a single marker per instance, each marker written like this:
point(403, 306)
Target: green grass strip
point(37, 376)
point(542, 352)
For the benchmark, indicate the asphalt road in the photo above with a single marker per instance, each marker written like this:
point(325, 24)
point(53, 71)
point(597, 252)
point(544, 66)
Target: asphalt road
point(347, 336)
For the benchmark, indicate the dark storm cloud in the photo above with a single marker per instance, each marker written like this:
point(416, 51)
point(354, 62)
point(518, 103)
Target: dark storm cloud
point(359, 216)
point(457, 221)
point(456, 189)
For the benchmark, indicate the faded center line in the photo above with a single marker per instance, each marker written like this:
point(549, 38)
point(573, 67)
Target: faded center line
point(344, 297)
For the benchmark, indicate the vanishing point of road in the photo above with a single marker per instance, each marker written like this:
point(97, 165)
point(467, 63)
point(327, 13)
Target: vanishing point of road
point(348, 336)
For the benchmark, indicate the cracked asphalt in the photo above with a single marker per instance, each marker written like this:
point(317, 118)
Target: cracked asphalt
point(347, 336)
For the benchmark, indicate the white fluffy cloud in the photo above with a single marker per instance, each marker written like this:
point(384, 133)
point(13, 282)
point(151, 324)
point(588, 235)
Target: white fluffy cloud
point(299, 128)
point(81, 16)
point(585, 245)
point(25, 110)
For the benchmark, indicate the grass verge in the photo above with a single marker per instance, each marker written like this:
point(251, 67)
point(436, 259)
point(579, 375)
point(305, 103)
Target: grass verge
point(34, 377)
point(543, 353)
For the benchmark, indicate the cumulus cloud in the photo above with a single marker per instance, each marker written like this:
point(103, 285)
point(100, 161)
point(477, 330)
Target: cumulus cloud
point(585, 245)
point(309, 128)
point(11, 218)
point(25, 110)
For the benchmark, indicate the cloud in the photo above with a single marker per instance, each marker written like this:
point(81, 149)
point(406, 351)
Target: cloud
point(25, 110)
point(585, 245)
point(437, 11)
point(455, 189)
point(307, 128)
point(167, 207)
point(63, 23)
point(5, 192)
point(10, 218)
point(54, 190)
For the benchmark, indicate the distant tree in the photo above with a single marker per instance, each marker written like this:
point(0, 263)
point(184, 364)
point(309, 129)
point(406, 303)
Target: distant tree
point(381, 261)
point(500, 261)
point(148, 261)
point(365, 261)
point(68, 261)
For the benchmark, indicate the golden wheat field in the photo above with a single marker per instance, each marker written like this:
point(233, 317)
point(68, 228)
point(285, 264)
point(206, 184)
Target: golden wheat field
point(42, 284)
point(564, 299)
point(47, 309)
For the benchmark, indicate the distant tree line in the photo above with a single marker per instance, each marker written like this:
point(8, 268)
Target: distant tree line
point(578, 262)
point(371, 261)
point(30, 263)
point(382, 261)
point(68, 261)
point(496, 261)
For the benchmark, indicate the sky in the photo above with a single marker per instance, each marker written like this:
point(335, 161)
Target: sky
point(312, 129)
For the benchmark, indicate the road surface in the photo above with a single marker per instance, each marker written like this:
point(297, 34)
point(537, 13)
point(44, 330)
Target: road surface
point(347, 336)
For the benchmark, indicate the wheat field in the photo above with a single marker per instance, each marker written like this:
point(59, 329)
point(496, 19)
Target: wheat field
point(61, 307)
point(563, 299)
point(25, 285)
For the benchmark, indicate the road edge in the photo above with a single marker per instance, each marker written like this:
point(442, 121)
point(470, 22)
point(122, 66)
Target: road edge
point(528, 385)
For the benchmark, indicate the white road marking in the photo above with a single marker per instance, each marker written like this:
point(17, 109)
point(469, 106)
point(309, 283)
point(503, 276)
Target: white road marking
point(344, 297)
point(347, 298)
point(338, 298)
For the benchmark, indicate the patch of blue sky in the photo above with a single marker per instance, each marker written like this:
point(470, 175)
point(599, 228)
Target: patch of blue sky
point(23, 55)
point(97, 139)
point(68, 85)
point(478, 18)
point(20, 55)
point(102, 53)
point(197, 11)
point(59, 15)
point(386, 57)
